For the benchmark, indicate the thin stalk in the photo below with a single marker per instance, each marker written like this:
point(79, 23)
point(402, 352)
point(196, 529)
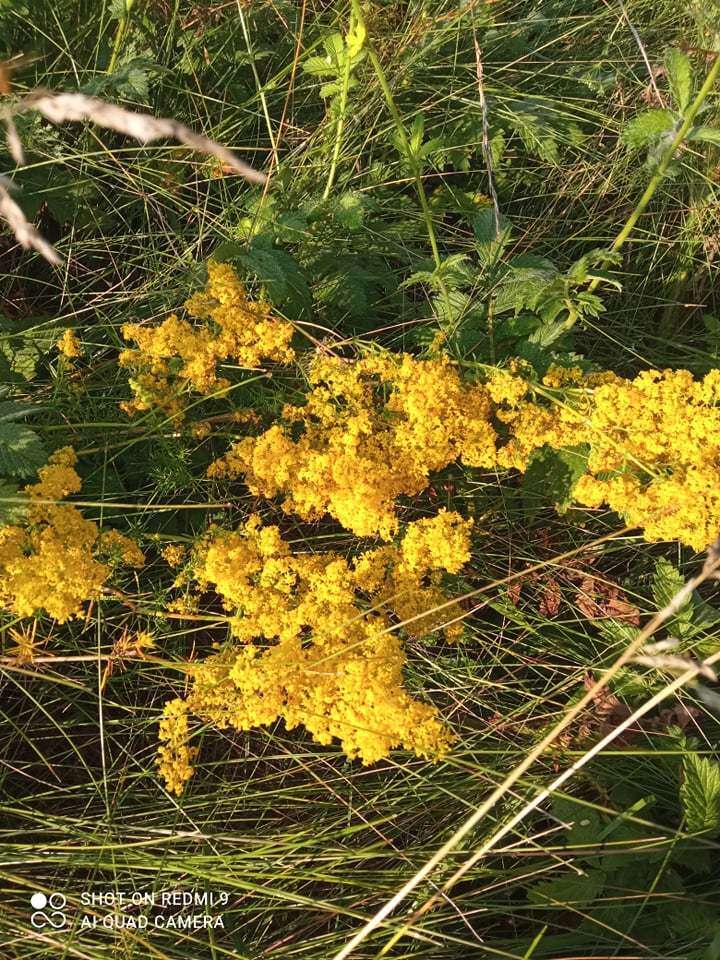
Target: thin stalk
point(405, 145)
point(258, 84)
point(120, 34)
point(664, 162)
point(708, 571)
point(341, 119)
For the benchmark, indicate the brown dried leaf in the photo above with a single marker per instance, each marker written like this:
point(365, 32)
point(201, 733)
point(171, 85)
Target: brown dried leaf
point(550, 600)
point(513, 592)
point(600, 599)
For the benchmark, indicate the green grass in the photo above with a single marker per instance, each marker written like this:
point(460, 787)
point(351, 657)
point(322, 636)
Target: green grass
point(307, 845)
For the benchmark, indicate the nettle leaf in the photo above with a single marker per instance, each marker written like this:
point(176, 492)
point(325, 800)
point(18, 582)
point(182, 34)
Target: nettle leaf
point(349, 209)
point(319, 67)
point(21, 451)
point(585, 825)
point(523, 283)
point(582, 270)
point(551, 476)
point(350, 285)
point(14, 410)
point(281, 276)
point(453, 307)
point(679, 77)
point(700, 794)
point(489, 242)
point(20, 363)
point(10, 512)
point(647, 128)
point(667, 582)
point(541, 128)
point(569, 890)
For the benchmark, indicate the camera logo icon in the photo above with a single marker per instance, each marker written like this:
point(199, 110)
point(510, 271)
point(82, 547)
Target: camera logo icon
point(48, 911)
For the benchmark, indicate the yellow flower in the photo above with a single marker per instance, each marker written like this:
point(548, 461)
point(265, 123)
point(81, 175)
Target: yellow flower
point(174, 554)
point(308, 650)
point(175, 756)
point(50, 563)
point(68, 344)
point(177, 355)
point(369, 432)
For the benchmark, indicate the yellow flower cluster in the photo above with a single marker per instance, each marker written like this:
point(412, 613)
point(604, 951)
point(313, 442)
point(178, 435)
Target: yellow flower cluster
point(655, 454)
point(376, 429)
point(370, 431)
point(177, 354)
point(653, 445)
point(175, 756)
point(320, 645)
point(69, 345)
point(54, 561)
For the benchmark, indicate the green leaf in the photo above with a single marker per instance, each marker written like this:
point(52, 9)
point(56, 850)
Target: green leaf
point(21, 451)
point(704, 135)
point(571, 889)
point(319, 67)
point(647, 128)
point(551, 476)
point(281, 276)
point(10, 512)
point(585, 825)
point(489, 243)
point(679, 77)
point(667, 582)
point(14, 410)
point(700, 794)
point(349, 285)
point(349, 209)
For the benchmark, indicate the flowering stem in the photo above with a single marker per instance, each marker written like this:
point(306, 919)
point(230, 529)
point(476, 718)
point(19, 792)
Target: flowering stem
point(664, 162)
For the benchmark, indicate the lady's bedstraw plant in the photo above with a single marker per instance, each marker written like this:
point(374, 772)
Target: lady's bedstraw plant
point(317, 639)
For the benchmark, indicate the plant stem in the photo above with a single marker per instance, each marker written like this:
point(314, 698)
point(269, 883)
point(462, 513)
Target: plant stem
point(258, 84)
point(120, 34)
point(341, 119)
point(407, 152)
point(664, 162)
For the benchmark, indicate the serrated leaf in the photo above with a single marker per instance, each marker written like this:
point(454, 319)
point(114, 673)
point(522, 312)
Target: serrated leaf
point(281, 276)
point(14, 410)
point(349, 209)
point(10, 512)
point(700, 794)
point(21, 451)
point(523, 284)
point(571, 889)
point(585, 825)
point(489, 243)
point(667, 582)
point(350, 285)
point(319, 67)
point(551, 476)
point(356, 38)
point(647, 128)
point(679, 76)
point(330, 89)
